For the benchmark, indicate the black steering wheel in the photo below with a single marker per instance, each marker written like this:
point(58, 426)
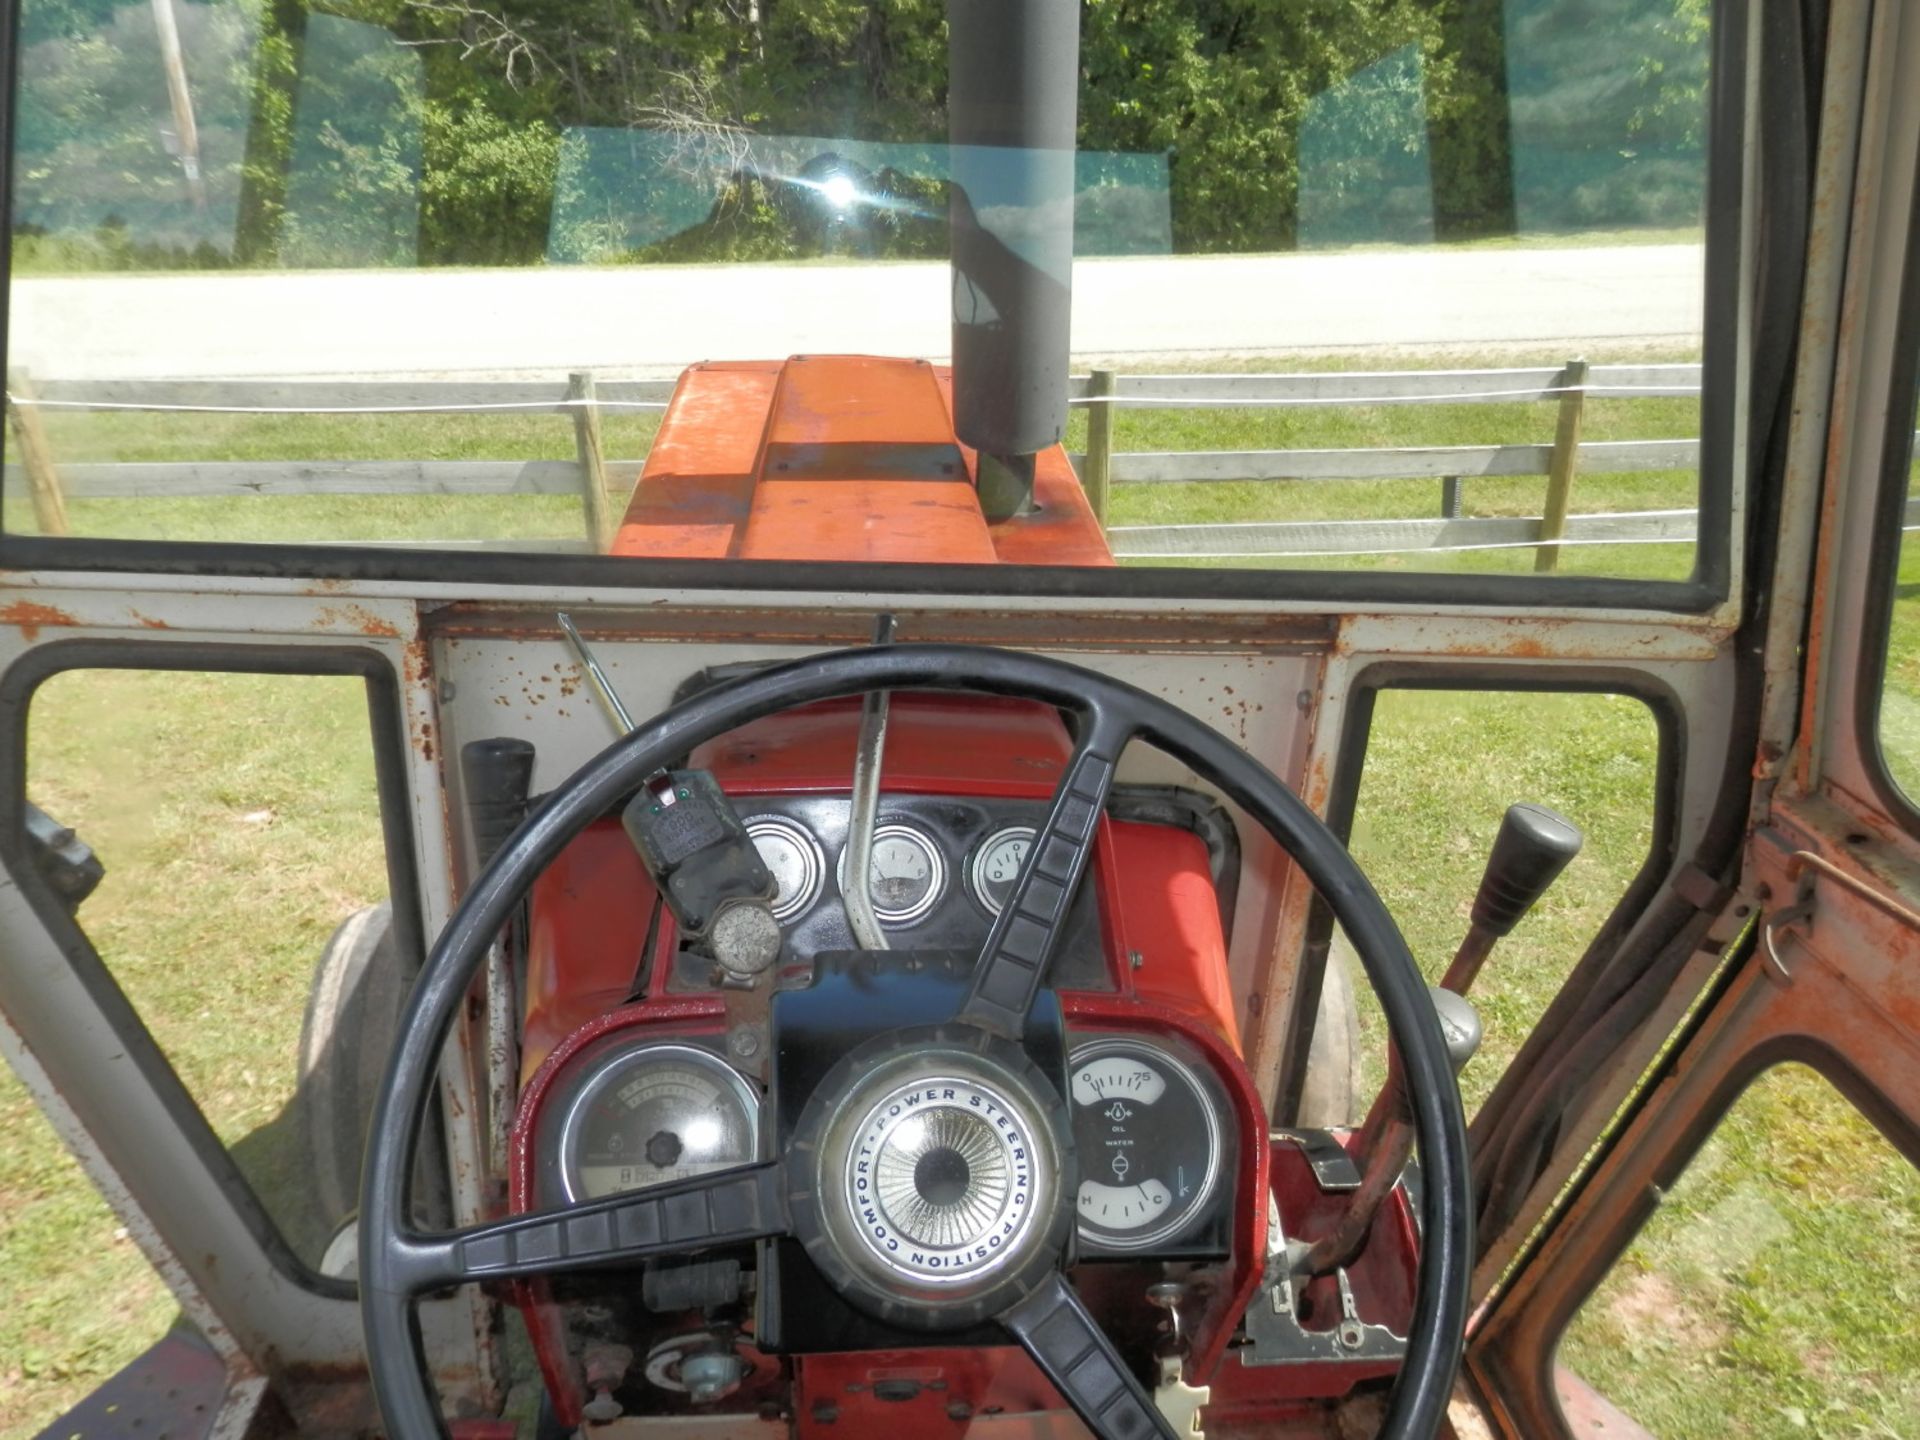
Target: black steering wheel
point(1022, 1284)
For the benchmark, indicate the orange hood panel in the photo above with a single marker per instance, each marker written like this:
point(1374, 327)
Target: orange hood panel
point(837, 458)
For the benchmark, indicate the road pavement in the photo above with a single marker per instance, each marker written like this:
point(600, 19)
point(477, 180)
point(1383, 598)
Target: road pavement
point(647, 320)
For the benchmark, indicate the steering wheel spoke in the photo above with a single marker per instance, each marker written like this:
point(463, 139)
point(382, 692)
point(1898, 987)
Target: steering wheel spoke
point(1068, 1344)
point(727, 1207)
point(1023, 939)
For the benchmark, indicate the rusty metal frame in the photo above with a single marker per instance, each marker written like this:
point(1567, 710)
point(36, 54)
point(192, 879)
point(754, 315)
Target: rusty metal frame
point(1830, 874)
point(91, 1064)
point(1838, 1013)
point(415, 611)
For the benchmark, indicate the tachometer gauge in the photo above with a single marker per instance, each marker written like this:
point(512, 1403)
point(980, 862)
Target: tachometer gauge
point(796, 862)
point(908, 876)
point(1147, 1137)
point(996, 865)
point(652, 1114)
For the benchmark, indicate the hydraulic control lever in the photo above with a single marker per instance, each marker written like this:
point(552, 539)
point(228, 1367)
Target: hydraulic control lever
point(1534, 845)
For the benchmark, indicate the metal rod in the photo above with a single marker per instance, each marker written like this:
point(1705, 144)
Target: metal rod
point(603, 690)
point(1384, 1142)
point(864, 814)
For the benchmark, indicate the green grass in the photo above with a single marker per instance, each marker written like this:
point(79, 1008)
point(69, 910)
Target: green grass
point(1423, 823)
point(1773, 1294)
point(129, 437)
point(238, 822)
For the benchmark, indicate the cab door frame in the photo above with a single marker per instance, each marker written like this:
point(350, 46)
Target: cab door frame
point(1815, 957)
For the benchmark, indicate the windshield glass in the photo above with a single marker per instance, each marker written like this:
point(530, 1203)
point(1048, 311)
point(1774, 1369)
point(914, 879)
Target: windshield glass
point(1387, 286)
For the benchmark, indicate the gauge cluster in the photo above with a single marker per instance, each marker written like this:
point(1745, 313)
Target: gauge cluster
point(941, 871)
point(1151, 1133)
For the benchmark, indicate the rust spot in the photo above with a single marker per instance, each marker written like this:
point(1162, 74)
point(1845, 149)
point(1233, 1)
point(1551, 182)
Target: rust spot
point(152, 622)
point(415, 662)
point(356, 618)
point(30, 617)
point(1526, 647)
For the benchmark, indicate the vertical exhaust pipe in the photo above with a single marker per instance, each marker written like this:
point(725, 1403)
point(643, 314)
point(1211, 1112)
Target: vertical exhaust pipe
point(1013, 87)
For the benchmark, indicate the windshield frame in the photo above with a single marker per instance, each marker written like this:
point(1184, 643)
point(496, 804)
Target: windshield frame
point(1733, 114)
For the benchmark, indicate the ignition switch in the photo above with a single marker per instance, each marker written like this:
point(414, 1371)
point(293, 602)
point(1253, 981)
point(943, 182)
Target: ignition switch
point(707, 868)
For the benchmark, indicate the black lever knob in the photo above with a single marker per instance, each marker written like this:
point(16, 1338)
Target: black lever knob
point(497, 775)
point(1533, 847)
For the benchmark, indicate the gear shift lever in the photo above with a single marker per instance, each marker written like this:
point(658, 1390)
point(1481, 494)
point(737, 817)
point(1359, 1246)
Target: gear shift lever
point(1534, 845)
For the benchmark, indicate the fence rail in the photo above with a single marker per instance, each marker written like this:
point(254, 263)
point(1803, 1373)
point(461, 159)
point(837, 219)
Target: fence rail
point(585, 398)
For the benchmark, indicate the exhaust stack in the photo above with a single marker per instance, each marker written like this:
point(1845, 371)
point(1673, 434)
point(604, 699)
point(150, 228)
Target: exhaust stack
point(1012, 101)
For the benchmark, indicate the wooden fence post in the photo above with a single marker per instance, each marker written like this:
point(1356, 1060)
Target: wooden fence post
point(601, 524)
point(1099, 462)
point(1451, 487)
point(1561, 467)
point(36, 456)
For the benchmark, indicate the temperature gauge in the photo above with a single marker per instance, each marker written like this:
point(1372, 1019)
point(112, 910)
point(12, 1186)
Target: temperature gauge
point(908, 876)
point(793, 856)
point(1146, 1132)
point(996, 865)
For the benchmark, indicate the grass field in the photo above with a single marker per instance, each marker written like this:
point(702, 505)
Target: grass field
point(1771, 1296)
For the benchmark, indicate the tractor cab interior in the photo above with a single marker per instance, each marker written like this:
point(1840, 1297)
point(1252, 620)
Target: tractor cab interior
point(891, 929)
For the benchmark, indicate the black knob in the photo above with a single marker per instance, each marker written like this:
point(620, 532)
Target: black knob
point(497, 776)
point(1533, 847)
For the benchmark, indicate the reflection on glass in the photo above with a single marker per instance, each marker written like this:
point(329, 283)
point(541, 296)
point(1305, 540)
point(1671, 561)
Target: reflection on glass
point(1771, 1294)
point(1609, 114)
point(353, 167)
point(1365, 177)
point(1381, 190)
point(108, 172)
point(639, 195)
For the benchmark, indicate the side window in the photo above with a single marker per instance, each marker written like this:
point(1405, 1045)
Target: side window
point(1424, 823)
point(1899, 723)
point(243, 910)
point(1772, 1293)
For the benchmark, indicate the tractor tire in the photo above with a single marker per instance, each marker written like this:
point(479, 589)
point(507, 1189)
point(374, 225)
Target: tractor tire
point(353, 1015)
point(1330, 1098)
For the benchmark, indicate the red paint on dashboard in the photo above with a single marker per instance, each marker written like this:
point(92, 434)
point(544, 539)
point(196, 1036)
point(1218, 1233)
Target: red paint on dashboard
point(1166, 911)
point(1226, 1301)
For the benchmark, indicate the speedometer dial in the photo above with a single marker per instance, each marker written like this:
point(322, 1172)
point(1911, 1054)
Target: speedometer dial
point(652, 1114)
point(1147, 1137)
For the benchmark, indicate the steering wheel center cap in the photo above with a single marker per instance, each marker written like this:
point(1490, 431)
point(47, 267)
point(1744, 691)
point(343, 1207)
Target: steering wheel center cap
point(927, 1176)
point(941, 1178)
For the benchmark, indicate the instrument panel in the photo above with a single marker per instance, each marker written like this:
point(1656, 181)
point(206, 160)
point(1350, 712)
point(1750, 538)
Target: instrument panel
point(1147, 1131)
point(629, 1113)
point(1150, 1125)
point(942, 868)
